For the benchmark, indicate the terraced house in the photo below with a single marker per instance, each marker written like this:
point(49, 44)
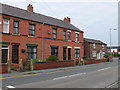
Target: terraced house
point(94, 48)
point(28, 35)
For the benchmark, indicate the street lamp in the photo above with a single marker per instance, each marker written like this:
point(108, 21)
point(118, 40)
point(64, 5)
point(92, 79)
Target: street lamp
point(110, 37)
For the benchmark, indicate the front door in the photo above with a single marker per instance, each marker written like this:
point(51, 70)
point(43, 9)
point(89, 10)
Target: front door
point(64, 53)
point(15, 49)
point(69, 53)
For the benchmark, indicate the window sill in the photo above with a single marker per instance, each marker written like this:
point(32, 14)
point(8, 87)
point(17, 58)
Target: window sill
point(5, 33)
point(15, 34)
point(69, 40)
point(77, 41)
point(3, 63)
point(31, 36)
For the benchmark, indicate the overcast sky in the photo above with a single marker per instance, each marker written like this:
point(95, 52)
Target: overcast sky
point(95, 17)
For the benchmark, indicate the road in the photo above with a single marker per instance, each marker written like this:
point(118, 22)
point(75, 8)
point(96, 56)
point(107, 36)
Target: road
point(87, 76)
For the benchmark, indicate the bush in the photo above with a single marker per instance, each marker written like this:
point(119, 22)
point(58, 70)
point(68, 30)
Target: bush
point(84, 58)
point(116, 55)
point(103, 57)
point(34, 61)
point(52, 58)
point(106, 55)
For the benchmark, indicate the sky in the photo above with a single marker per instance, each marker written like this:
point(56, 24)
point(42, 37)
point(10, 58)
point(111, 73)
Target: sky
point(94, 17)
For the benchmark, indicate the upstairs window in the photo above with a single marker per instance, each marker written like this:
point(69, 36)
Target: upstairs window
point(31, 29)
point(54, 33)
point(103, 46)
point(94, 45)
point(64, 35)
point(5, 26)
point(69, 35)
point(16, 27)
point(77, 37)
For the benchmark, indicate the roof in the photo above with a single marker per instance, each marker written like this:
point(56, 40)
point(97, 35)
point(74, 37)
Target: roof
point(21, 13)
point(94, 41)
point(113, 47)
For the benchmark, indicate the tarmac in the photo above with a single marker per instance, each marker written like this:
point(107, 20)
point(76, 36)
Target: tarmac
point(15, 73)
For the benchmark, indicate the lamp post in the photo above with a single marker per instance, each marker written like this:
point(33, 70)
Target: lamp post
point(110, 37)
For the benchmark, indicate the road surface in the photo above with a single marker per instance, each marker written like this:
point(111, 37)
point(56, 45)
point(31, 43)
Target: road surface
point(102, 75)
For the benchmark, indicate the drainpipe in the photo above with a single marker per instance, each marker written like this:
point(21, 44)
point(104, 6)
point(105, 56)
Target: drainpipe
point(43, 41)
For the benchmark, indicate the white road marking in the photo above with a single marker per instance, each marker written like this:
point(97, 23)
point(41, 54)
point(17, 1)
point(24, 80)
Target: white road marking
point(10, 86)
point(60, 78)
point(68, 76)
point(76, 74)
point(104, 69)
point(112, 85)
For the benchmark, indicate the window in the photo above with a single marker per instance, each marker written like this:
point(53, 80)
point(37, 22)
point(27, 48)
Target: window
point(4, 54)
point(54, 50)
point(31, 29)
point(64, 35)
point(94, 45)
point(103, 46)
point(15, 51)
point(94, 53)
point(77, 53)
point(6, 26)
point(32, 52)
point(16, 27)
point(69, 35)
point(54, 33)
point(77, 37)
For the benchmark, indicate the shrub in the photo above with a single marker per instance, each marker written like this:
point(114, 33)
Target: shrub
point(52, 58)
point(103, 57)
point(84, 58)
point(106, 55)
point(116, 55)
point(34, 61)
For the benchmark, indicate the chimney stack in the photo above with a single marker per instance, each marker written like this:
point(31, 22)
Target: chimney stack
point(30, 8)
point(67, 19)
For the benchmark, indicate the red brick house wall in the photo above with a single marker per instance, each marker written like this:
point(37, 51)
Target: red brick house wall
point(89, 49)
point(23, 40)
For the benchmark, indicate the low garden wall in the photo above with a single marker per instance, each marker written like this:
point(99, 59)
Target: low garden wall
point(15, 67)
point(3, 68)
point(95, 61)
point(48, 65)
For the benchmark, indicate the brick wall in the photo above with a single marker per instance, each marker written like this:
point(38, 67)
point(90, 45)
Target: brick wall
point(89, 49)
point(41, 31)
point(48, 65)
point(3, 68)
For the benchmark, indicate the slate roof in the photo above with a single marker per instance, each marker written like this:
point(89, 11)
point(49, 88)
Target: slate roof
point(21, 13)
point(94, 41)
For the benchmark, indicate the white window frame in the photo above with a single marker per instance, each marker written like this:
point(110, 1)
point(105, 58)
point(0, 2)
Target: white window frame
point(77, 38)
point(94, 54)
point(8, 51)
point(6, 23)
point(103, 46)
point(94, 45)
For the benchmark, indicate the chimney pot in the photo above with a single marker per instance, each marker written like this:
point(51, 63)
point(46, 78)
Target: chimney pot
point(30, 8)
point(67, 19)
